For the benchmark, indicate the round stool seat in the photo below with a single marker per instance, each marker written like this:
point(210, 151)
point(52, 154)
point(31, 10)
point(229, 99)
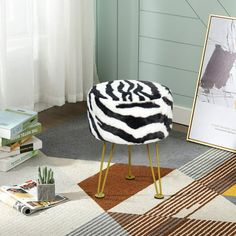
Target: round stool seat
point(130, 112)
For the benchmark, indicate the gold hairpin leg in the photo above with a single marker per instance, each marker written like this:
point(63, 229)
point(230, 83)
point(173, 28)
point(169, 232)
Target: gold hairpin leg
point(129, 176)
point(159, 172)
point(100, 188)
point(158, 194)
point(101, 167)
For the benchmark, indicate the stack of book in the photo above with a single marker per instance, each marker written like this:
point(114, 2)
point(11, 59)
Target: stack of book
point(17, 140)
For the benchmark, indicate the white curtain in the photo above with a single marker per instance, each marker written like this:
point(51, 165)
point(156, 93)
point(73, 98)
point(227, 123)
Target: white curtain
point(47, 51)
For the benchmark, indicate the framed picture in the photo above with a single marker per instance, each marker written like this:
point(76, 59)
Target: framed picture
point(213, 118)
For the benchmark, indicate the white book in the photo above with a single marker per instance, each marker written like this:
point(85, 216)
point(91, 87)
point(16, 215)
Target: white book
point(31, 145)
point(14, 121)
point(11, 162)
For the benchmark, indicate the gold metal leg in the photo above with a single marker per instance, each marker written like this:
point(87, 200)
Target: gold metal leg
point(98, 195)
point(100, 190)
point(129, 176)
point(158, 172)
point(158, 194)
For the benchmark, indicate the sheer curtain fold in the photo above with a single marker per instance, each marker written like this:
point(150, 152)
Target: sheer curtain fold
point(2, 52)
point(49, 50)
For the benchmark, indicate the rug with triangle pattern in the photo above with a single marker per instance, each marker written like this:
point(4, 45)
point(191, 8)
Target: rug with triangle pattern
point(200, 199)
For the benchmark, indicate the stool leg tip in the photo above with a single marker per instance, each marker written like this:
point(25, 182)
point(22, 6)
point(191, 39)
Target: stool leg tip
point(159, 196)
point(99, 195)
point(130, 177)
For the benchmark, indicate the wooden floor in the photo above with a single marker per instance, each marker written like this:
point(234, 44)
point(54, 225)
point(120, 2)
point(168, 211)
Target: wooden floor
point(180, 128)
point(58, 115)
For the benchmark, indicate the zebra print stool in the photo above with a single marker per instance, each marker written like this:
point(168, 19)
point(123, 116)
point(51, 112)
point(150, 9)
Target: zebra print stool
point(129, 112)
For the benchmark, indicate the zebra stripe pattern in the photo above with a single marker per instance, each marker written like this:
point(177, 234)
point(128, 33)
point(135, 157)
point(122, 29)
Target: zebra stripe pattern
point(130, 111)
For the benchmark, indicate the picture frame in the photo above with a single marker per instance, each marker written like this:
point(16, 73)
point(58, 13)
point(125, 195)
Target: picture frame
point(213, 117)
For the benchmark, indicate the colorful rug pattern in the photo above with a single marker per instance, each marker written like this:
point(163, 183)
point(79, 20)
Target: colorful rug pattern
point(118, 188)
point(200, 199)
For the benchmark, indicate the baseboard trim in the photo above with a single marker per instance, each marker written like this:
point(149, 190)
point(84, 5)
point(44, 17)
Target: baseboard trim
point(181, 115)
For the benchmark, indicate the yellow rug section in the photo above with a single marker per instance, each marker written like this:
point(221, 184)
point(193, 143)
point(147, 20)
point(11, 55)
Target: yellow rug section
point(231, 191)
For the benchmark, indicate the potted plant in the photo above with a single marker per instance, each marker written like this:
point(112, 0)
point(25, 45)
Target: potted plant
point(46, 185)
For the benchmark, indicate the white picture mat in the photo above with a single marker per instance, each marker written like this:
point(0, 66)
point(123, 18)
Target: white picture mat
point(213, 119)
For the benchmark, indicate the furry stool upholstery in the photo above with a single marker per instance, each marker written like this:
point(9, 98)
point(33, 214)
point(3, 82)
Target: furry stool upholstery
point(129, 112)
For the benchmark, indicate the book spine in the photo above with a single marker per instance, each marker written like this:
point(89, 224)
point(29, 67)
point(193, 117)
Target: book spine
point(16, 130)
point(34, 145)
point(31, 131)
point(15, 145)
point(33, 120)
point(9, 163)
point(21, 127)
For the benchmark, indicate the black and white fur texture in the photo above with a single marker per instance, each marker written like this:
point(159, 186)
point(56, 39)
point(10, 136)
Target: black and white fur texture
point(130, 112)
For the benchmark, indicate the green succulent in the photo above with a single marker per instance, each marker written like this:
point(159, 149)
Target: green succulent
point(45, 176)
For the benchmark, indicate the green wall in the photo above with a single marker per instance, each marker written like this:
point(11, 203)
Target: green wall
point(117, 39)
point(158, 40)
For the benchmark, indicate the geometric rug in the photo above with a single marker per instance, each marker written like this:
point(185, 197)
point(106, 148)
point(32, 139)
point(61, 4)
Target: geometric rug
point(117, 188)
point(199, 199)
point(196, 202)
point(131, 224)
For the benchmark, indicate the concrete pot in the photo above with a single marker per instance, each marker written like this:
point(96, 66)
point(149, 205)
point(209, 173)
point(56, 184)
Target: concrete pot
point(46, 192)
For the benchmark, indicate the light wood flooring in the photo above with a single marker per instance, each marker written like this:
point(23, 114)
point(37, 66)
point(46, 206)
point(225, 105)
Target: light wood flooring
point(58, 115)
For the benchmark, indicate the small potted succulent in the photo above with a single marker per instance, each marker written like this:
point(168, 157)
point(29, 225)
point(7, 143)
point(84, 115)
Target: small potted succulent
point(46, 184)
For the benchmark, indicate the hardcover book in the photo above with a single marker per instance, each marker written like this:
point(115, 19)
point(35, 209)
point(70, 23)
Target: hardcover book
point(31, 145)
point(10, 144)
point(14, 121)
point(11, 162)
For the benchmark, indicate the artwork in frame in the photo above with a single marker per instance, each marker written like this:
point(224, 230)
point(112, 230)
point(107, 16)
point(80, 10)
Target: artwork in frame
point(213, 118)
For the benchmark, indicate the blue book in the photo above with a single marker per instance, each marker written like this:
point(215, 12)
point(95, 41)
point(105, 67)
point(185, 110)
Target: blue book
point(14, 121)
